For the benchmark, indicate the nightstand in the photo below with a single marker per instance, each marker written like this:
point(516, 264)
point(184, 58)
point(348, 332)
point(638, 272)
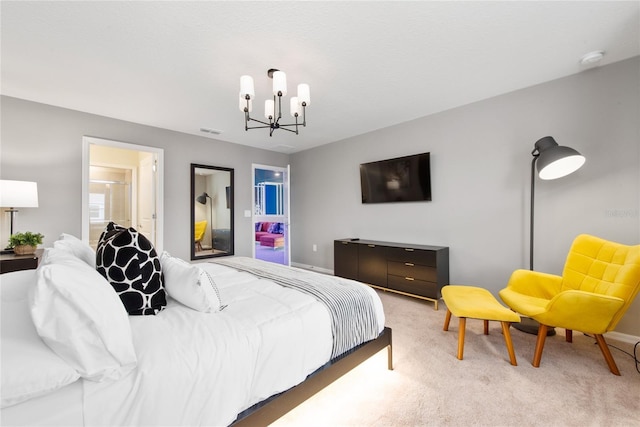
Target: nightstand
point(12, 262)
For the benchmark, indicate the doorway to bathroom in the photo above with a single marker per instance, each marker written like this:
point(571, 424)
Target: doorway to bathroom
point(122, 183)
point(270, 214)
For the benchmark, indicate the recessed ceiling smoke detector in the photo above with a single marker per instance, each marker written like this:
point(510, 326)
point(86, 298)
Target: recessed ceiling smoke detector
point(591, 58)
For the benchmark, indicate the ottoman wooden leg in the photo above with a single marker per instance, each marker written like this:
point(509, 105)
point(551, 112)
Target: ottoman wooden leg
point(461, 327)
point(447, 319)
point(507, 340)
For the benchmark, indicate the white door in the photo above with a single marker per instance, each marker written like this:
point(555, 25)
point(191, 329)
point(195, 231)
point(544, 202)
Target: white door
point(146, 199)
point(270, 205)
point(287, 204)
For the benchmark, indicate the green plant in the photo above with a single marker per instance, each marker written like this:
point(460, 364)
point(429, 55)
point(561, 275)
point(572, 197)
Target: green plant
point(26, 238)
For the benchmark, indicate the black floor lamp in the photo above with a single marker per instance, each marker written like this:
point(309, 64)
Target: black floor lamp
point(552, 161)
point(203, 200)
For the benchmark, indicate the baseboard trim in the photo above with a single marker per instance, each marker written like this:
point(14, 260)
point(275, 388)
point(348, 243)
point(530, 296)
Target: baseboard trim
point(631, 339)
point(312, 268)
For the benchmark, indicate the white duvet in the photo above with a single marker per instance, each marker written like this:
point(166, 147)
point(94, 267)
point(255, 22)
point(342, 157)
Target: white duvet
point(203, 369)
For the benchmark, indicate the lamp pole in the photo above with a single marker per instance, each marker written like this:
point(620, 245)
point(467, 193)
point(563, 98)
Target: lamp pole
point(202, 199)
point(533, 191)
point(552, 161)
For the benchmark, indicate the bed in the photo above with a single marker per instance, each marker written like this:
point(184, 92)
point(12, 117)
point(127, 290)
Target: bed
point(268, 346)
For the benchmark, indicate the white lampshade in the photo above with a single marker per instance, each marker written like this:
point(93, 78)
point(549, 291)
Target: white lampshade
point(303, 94)
point(562, 167)
point(242, 103)
point(246, 86)
point(295, 107)
point(18, 194)
point(269, 108)
point(279, 83)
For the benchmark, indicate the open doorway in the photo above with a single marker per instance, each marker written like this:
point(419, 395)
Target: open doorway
point(271, 214)
point(122, 183)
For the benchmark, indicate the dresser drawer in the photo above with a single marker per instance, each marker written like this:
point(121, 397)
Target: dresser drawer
point(415, 256)
point(415, 271)
point(416, 287)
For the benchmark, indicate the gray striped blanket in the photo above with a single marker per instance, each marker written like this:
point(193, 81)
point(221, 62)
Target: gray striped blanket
point(353, 316)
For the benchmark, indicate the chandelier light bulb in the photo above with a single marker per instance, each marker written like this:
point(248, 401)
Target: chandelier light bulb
point(295, 107)
point(303, 94)
point(246, 86)
point(269, 109)
point(279, 83)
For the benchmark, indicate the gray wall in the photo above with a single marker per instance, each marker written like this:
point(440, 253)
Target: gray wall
point(44, 144)
point(480, 166)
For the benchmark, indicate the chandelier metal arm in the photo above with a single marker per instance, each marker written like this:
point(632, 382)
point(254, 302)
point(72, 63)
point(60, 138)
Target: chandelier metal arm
point(275, 125)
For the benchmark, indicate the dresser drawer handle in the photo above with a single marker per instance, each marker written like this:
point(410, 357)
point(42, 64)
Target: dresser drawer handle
point(409, 278)
point(372, 246)
point(408, 249)
point(409, 264)
point(345, 243)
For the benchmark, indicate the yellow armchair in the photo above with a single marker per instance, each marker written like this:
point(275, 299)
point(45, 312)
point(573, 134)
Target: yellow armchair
point(599, 281)
point(198, 233)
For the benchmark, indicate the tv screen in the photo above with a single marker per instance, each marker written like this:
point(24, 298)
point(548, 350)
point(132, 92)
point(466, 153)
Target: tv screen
point(403, 179)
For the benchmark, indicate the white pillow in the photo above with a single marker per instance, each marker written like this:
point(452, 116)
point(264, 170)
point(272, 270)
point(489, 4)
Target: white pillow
point(189, 284)
point(78, 314)
point(29, 368)
point(77, 247)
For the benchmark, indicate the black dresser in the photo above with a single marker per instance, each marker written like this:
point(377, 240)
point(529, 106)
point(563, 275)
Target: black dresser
point(419, 271)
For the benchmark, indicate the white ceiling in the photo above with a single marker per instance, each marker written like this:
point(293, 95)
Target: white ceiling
point(177, 65)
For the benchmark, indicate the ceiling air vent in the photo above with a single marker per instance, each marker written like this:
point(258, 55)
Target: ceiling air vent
point(209, 130)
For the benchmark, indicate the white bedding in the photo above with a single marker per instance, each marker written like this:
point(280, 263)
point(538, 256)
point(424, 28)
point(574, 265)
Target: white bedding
point(199, 368)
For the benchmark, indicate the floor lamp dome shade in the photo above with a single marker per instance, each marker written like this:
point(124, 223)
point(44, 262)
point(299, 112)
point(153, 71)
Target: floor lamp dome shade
point(202, 198)
point(555, 161)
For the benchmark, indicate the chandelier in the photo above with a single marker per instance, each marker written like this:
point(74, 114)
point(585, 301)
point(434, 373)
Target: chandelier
point(273, 108)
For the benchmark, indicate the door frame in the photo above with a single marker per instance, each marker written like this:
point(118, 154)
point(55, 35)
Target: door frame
point(286, 179)
point(87, 141)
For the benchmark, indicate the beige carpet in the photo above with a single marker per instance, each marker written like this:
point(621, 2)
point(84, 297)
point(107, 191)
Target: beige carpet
point(430, 386)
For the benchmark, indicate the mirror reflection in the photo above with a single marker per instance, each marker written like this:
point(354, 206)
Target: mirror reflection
point(211, 211)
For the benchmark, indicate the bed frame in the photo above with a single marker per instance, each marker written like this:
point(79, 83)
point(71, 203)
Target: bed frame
point(268, 411)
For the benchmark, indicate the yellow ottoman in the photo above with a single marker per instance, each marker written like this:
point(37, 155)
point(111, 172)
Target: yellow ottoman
point(477, 303)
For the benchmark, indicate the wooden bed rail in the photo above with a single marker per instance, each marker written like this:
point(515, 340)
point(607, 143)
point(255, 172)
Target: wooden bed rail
point(265, 413)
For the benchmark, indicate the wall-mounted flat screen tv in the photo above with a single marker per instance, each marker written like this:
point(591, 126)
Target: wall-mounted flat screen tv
point(403, 179)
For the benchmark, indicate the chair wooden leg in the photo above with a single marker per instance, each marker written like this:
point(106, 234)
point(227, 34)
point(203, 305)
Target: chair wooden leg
point(461, 328)
point(447, 319)
point(568, 335)
point(607, 355)
point(486, 327)
point(542, 335)
point(507, 340)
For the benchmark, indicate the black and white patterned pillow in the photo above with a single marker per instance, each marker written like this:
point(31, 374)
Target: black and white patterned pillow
point(130, 263)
